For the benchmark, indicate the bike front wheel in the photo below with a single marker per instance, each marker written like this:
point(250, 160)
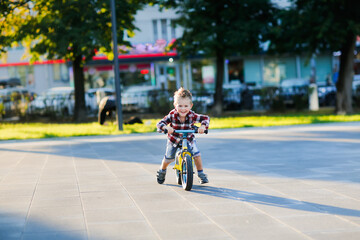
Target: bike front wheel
point(187, 173)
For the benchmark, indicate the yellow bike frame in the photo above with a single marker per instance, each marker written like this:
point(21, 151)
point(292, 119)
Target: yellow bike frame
point(182, 155)
point(184, 150)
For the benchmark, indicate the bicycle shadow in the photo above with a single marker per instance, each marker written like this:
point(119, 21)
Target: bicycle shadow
point(275, 201)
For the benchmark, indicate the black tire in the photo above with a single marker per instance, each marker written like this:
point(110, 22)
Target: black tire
point(177, 172)
point(187, 174)
point(178, 177)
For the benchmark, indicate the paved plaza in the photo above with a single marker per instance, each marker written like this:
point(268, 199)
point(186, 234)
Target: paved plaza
point(281, 183)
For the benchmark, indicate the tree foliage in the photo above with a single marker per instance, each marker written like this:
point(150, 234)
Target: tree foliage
point(222, 29)
point(74, 30)
point(315, 26)
point(10, 18)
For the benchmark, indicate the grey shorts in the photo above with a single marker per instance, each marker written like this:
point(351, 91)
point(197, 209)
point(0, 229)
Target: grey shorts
point(171, 150)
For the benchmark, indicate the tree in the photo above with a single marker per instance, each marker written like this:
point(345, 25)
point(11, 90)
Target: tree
point(74, 30)
point(221, 29)
point(315, 26)
point(9, 10)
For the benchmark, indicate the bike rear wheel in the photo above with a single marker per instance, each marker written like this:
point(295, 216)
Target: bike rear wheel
point(178, 177)
point(187, 173)
point(177, 172)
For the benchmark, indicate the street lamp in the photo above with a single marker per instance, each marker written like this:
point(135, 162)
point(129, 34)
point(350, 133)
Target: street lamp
point(116, 67)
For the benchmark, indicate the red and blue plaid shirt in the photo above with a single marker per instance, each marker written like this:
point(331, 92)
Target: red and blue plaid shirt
point(173, 119)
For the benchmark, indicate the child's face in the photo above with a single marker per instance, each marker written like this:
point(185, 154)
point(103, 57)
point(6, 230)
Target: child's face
point(183, 106)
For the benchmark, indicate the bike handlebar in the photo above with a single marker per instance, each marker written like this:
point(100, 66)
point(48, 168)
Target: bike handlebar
point(186, 131)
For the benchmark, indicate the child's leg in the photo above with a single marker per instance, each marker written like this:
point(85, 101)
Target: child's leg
point(197, 156)
point(169, 155)
point(198, 163)
point(201, 175)
point(165, 163)
point(168, 158)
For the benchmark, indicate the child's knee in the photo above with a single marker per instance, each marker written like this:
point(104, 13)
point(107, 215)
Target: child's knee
point(168, 160)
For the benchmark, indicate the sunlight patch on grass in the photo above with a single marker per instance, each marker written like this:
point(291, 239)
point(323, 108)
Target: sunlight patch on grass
point(9, 131)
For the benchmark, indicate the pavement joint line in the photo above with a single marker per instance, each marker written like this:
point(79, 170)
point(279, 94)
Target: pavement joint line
point(263, 212)
point(32, 198)
point(341, 218)
point(80, 195)
point(329, 190)
point(133, 200)
point(329, 193)
point(203, 213)
point(18, 162)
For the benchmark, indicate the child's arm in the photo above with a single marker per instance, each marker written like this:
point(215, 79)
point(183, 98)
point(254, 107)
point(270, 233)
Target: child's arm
point(204, 120)
point(162, 124)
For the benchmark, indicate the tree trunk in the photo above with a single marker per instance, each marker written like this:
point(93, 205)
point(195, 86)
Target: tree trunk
point(346, 75)
point(79, 80)
point(218, 98)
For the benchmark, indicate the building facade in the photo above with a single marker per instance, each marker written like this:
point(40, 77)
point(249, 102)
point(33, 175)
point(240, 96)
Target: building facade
point(147, 65)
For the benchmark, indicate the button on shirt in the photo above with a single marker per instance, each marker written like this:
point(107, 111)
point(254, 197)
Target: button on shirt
point(173, 119)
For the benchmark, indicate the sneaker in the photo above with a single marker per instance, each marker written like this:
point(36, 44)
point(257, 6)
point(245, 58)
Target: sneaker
point(161, 176)
point(203, 178)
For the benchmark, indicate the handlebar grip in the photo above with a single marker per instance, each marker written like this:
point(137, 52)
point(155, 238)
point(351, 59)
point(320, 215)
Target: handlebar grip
point(205, 131)
point(165, 131)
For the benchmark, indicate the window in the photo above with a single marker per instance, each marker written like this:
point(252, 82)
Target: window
point(24, 73)
point(236, 71)
point(164, 29)
point(278, 69)
point(60, 72)
point(155, 28)
point(203, 75)
point(173, 32)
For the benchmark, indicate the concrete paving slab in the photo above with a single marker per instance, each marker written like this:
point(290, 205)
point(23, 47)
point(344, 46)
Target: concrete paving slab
point(299, 182)
point(122, 230)
point(62, 235)
point(34, 224)
point(113, 215)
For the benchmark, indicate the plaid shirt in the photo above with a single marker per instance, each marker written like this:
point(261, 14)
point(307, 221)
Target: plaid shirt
point(173, 119)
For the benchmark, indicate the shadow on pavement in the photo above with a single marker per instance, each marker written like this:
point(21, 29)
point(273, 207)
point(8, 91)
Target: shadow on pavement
point(305, 154)
point(274, 201)
point(13, 226)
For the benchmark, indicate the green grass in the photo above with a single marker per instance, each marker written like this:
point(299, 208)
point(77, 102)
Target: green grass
point(9, 131)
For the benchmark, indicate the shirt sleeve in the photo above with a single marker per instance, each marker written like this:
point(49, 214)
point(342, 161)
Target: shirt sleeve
point(163, 122)
point(202, 119)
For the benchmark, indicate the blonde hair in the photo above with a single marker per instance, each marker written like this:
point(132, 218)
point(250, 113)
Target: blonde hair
point(182, 93)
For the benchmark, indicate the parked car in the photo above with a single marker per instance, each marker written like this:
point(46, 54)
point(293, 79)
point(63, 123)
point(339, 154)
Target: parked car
point(356, 91)
point(38, 106)
point(294, 92)
point(14, 101)
point(326, 94)
point(58, 101)
point(137, 98)
point(10, 82)
point(202, 100)
point(232, 95)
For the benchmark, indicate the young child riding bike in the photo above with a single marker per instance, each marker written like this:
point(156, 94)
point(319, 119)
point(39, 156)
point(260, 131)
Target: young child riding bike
point(182, 118)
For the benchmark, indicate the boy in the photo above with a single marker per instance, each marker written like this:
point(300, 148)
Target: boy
point(182, 118)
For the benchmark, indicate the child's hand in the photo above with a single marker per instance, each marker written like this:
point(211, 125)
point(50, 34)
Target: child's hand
point(169, 129)
point(201, 129)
